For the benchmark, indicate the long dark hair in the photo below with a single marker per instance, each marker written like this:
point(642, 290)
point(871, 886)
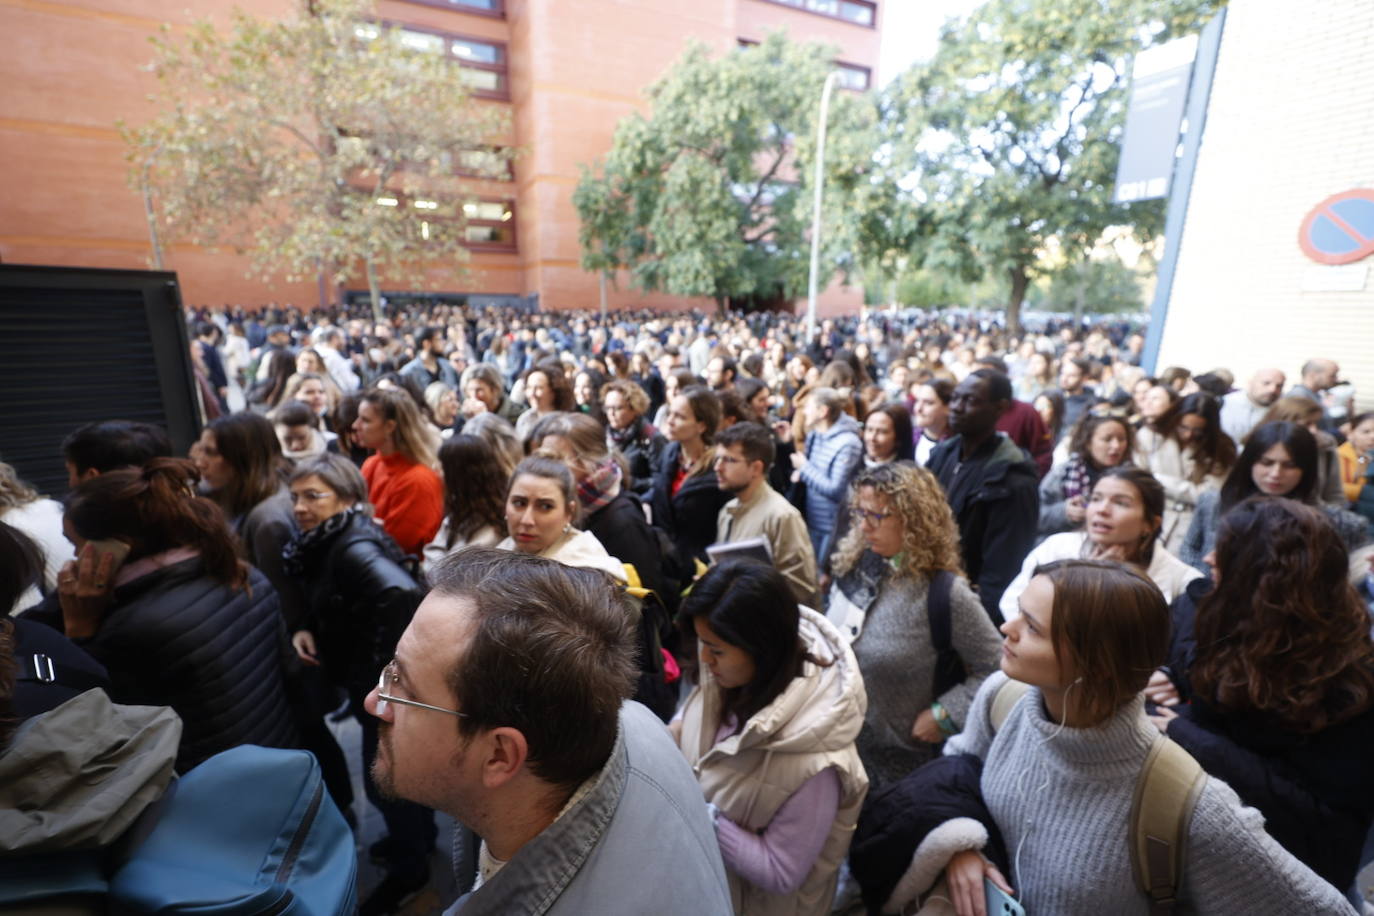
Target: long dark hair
point(750, 606)
point(248, 443)
point(474, 486)
point(1302, 448)
point(281, 365)
point(152, 509)
point(1081, 442)
point(1214, 452)
point(1283, 632)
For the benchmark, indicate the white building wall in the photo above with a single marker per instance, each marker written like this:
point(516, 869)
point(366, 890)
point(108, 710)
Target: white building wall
point(1291, 122)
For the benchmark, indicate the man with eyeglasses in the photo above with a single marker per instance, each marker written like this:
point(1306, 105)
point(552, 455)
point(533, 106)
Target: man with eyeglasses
point(744, 453)
point(507, 707)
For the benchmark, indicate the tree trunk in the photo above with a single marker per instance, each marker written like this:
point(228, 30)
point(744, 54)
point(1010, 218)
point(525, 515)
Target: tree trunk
point(1080, 295)
point(1020, 281)
point(375, 291)
point(723, 305)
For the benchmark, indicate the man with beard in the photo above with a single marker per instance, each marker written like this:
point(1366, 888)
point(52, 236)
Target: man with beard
point(744, 453)
point(1242, 410)
point(991, 484)
point(506, 706)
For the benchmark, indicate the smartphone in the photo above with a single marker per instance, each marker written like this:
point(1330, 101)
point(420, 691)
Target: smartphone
point(999, 902)
point(109, 546)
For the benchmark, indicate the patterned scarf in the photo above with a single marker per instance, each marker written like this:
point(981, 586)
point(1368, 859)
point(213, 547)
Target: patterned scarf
point(623, 438)
point(1078, 478)
point(600, 487)
point(301, 551)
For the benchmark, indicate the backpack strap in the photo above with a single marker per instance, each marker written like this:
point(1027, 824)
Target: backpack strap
point(1003, 700)
point(937, 605)
point(1165, 794)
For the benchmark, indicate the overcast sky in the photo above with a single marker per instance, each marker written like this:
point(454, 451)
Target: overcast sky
point(910, 31)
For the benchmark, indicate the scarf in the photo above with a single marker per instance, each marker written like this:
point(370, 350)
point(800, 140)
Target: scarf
point(599, 487)
point(300, 552)
point(1078, 477)
point(623, 438)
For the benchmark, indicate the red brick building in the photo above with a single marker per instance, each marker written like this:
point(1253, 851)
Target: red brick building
point(568, 71)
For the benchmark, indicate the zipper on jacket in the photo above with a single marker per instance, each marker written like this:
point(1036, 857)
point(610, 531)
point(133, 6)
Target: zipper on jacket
point(293, 851)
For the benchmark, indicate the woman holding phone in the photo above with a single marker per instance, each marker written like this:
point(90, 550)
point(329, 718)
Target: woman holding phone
point(158, 595)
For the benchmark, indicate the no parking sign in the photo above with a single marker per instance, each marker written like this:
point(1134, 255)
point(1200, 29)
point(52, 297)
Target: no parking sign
point(1340, 229)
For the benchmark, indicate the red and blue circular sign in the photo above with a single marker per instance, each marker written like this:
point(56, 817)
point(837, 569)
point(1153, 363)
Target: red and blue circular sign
point(1340, 229)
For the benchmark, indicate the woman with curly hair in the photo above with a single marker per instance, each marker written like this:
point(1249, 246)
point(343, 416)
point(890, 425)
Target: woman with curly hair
point(1276, 667)
point(897, 577)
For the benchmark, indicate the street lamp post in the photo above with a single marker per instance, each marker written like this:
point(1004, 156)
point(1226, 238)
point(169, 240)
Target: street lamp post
point(816, 212)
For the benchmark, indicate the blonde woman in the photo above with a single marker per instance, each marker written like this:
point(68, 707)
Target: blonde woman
point(900, 559)
point(315, 390)
point(406, 493)
point(41, 520)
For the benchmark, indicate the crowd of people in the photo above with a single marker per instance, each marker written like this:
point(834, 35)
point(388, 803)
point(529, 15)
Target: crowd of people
point(892, 617)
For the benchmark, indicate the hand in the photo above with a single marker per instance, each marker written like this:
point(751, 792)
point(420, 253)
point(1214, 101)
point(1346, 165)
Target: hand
point(964, 874)
point(783, 430)
point(925, 728)
point(304, 643)
point(1116, 552)
point(1161, 690)
point(84, 587)
point(1075, 511)
point(1162, 717)
point(798, 460)
point(472, 407)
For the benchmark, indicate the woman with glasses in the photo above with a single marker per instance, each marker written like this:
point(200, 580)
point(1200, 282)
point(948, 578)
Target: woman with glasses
point(625, 404)
point(359, 599)
point(902, 542)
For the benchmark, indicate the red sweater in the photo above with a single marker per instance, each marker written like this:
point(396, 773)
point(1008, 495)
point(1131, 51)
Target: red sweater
point(407, 498)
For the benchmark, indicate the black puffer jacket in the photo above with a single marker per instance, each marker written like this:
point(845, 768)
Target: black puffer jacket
point(359, 600)
point(689, 516)
point(178, 638)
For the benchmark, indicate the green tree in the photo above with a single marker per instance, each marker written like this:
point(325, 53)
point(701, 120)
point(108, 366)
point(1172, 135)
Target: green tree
point(321, 143)
point(711, 195)
point(1013, 129)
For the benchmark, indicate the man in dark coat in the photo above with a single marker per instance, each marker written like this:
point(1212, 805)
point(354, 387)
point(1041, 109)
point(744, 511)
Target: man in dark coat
point(991, 485)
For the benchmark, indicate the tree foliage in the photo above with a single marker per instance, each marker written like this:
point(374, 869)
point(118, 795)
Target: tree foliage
point(280, 138)
point(1014, 128)
point(711, 193)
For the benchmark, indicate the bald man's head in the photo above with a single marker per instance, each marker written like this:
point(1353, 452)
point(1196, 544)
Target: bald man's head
point(1265, 386)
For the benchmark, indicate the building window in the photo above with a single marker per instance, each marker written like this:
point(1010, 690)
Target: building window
point(859, 12)
point(852, 76)
point(493, 8)
point(489, 222)
point(483, 61)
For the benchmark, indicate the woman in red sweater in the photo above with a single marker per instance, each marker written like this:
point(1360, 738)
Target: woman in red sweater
point(407, 495)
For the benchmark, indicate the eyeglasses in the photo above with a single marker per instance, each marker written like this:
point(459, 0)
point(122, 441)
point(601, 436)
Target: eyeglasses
point(863, 516)
point(387, 683)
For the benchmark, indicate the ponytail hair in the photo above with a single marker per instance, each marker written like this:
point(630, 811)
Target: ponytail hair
point(155, 508)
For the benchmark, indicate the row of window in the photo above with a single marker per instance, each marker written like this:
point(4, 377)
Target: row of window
point(852, 76)
point(859, 12)
point(490, 223)
point(484, 65)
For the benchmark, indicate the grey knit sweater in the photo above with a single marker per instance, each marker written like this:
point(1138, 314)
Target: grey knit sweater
point(897, 660)
point(1062, 799)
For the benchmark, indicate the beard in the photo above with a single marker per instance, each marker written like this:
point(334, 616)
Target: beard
point(381, 770)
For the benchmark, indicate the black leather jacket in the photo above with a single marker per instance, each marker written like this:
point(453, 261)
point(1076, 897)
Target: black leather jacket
point(359, 600)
